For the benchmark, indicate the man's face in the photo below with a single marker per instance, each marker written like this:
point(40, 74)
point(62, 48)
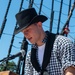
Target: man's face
point(32, 33)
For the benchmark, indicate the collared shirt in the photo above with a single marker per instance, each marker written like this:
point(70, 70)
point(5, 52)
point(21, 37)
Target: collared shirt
point(62, 56)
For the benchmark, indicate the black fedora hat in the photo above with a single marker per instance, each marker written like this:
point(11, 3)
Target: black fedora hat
point(27, 17)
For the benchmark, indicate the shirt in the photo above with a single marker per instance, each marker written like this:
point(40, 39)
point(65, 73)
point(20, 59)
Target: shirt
point(41, 53)
point(62, 56)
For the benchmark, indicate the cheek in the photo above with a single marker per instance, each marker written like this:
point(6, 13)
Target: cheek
point(36, 36)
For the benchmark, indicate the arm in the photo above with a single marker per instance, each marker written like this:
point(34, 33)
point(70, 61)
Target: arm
point(69, 59)
point(70, 71)
point(67, 56)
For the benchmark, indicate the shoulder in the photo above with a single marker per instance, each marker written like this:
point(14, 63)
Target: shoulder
point(63, 40)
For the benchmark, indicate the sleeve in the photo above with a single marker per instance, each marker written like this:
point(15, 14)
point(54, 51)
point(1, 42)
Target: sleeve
point(28, 65)
point(68, 54)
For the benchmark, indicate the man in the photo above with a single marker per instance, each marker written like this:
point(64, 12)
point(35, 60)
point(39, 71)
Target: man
point(50, 54)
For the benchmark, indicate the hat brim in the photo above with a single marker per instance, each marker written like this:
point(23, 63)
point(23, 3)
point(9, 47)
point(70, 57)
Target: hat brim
point(36, 19)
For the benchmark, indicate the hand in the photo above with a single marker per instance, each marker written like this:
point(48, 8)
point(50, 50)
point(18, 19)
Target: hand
point(70, 71)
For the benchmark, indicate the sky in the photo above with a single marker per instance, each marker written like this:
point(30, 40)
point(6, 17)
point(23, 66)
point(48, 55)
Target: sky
point(6, 37)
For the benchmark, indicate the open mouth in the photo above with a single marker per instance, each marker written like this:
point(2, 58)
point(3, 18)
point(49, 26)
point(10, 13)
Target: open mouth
point(29, 38)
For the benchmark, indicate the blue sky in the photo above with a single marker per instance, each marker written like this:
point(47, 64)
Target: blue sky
point(46, 10)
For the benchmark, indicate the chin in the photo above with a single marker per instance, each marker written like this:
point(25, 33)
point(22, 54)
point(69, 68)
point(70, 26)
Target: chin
point(32, 42)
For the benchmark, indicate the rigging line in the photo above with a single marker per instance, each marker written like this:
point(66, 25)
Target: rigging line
point(63, 2)
point(67, 24)
point(54, 11)
point(10, 47)
point(5, 18)
point(12, 35)
point(30, 3)
point(46, 14)
point(72, 26)
point(41, 11)
point(50, 9)
point(68, 19)
point(59, 16)
point(71, 37)
point(16, 47)
point(52, 16)
point(3, 25)
point(12, 40)
point(72, 32)
point(40, 7)
point(69, 6)
point(24, 46)
point(18, 68)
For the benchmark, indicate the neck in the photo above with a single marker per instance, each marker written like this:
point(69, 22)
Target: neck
point(43, 35)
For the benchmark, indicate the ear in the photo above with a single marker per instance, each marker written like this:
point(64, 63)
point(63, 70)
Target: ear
point(39, 24)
